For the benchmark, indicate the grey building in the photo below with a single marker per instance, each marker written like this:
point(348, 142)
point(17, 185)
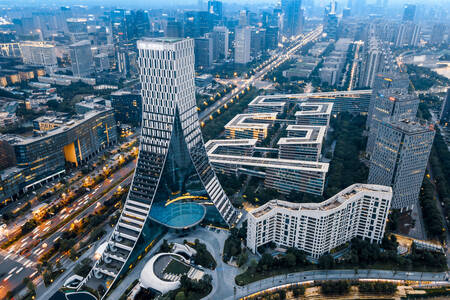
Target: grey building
point(203, 52)
point(292, 17)
point(220, 36)
point(60, 141)
point(400, 158)
point(388, 80)
point(81, 57)
point(396, 103)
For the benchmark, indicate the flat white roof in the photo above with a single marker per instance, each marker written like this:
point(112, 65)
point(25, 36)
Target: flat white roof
point(241, 120)
point(330, 204)
point(314, 134)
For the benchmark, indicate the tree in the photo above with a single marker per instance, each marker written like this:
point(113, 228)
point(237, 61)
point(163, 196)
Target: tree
point(242, 259)
point(326, 261)
point(290, 260)
point(180, 296)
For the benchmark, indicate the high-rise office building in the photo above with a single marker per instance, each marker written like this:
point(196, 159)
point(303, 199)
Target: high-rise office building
point(409, 12)
point(331, 21)
point(396, 103)
point(383, 81)
point(81, 57)
point(445, 110)
point(39, 54)
point(174, 184)
point(220, 36)
point(292, 17)
point(400, 157)
point(173, 29)
point(242, 45)
point(408, 34)
point(438, 33)
point(257, 41)
point(203, 52)
point(197, 23)
point(271, 37)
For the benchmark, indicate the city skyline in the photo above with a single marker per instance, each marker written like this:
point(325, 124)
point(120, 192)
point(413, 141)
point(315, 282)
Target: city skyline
point(221, 150)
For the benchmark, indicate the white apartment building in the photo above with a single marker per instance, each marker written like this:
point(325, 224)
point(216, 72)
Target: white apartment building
point(400, 157)
point(360, 210)
point(242, 45)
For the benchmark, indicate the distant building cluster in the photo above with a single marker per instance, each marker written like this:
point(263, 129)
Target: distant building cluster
point(296, 168)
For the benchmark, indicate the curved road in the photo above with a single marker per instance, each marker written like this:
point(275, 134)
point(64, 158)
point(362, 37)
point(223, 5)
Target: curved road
point(279, 281)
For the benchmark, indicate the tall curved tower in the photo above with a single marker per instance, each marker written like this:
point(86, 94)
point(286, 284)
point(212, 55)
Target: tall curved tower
point(174, 184)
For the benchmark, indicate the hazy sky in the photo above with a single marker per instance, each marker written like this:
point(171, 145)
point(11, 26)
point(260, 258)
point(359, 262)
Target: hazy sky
point(171, 3)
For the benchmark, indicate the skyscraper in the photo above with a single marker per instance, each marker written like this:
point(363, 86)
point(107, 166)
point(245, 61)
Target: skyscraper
point(400, 158)
point(81, 57)
point(409, 12)
point(242, 45)
point(215, 8)
point(292, 17)
point(397, 103)
point(372, 62)
point(174, 184)
point(438, 33)
point(220, 37)
point(203, 52)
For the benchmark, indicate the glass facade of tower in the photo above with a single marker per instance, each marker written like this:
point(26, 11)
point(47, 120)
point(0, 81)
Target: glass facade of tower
point(174, 184)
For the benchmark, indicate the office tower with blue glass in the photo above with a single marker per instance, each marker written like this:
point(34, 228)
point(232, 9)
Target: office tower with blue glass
point(174, 184)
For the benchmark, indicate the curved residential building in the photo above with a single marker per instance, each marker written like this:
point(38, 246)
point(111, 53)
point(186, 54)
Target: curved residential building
point(174, 184)
point(360, 210)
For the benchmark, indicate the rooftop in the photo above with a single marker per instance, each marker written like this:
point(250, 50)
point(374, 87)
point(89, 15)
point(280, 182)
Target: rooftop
point(327, 205)
point(312, 108)
point(74, 122)
point(248, 120)
point(409, 126)
point(298, 134)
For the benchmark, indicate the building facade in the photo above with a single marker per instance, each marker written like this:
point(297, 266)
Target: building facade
point(39, 54)
point(75, 141)
point(174, 184)
point(242, 44)
point(400, 158)
point(81, 57)
point(360, 210)
point(396, 103)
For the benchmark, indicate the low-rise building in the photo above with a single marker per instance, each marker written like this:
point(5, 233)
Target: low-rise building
point(303, 142)
point(244, 126)
point(44, 156)
point(284, 175)
point(312, 113)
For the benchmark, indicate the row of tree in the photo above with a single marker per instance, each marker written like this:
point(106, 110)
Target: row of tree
point(346, 168)
point(431, 215)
